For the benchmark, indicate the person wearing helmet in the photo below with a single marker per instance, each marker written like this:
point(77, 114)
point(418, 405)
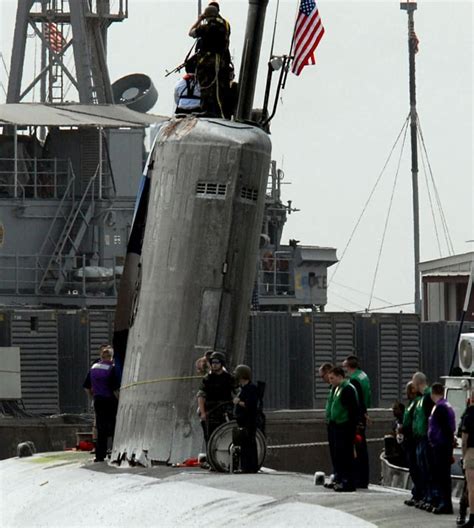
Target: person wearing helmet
point(246, 415)
point(215, 395)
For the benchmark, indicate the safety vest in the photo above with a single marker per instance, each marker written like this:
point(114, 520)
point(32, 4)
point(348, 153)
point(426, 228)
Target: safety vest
point(339, 413)
point(420, 420)
point(364, 381)
point(329, 403)
point(408, 414)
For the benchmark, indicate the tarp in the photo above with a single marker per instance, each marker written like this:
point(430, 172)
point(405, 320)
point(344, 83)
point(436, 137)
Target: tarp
point(106, 116)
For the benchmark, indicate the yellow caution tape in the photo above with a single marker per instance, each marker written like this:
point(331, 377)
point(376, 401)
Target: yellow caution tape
point(158, 380)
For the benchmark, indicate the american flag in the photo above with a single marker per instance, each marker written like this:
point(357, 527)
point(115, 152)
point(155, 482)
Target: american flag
point(308, 32)
point(54, 36)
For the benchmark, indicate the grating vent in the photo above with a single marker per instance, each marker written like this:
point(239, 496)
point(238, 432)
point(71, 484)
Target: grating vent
point(211, 189)
point(249, 194)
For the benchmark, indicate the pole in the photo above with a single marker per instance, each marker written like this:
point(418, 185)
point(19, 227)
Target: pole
point(199, 7)
point(410, 7)
point(250, 57)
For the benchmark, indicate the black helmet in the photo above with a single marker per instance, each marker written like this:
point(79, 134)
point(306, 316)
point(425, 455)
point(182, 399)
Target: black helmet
point(243, 372)
point(219, 356)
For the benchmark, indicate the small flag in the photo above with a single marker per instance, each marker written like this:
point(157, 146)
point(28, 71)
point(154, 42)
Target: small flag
point(308, 32)
point(54, 36)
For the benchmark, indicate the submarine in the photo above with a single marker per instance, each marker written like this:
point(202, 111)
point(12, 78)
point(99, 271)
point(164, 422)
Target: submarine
point(190, 268)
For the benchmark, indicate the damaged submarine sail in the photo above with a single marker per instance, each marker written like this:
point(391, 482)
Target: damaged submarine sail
point(197, 273)
point(192, 267)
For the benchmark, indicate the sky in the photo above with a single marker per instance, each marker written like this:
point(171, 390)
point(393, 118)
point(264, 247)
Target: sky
point(337, 123)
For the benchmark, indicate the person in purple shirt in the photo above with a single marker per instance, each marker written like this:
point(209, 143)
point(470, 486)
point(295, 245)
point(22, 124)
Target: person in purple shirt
point(102, 385)
point(441, 431)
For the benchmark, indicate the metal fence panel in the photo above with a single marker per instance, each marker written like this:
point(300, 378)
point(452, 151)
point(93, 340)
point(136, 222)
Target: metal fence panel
point(73, 354)
point(36, 333)
point(268, 353)
point(333, 340)
point(301, 361)
point(101, 328)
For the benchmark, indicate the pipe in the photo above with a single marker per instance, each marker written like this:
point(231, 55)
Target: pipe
point(250, 57)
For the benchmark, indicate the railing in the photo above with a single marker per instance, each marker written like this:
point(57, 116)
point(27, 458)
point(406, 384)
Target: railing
point(21, 275)
point(275, 275)
point(34, 177)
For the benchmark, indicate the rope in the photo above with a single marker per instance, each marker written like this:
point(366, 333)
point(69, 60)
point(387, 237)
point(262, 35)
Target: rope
point(316, 444)
point(405, 124)
point(444, 223)
point(387, 218)
point(359, 291)
point(159, 380)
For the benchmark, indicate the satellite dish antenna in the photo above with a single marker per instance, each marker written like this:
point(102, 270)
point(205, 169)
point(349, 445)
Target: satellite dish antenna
point(135, 91)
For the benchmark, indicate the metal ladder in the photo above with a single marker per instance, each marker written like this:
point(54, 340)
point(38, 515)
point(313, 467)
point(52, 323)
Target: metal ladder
point(67, 246)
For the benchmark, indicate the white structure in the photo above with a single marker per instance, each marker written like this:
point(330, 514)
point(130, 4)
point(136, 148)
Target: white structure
point(444, 283)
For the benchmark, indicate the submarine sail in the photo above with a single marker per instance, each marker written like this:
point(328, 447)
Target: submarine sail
point(200, 246)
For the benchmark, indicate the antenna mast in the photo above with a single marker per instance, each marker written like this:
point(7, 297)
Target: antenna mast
point(410, 8)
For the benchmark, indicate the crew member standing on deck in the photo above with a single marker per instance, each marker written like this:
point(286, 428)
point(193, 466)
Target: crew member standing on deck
point(441, 430)
point(324, 375)
point(343, 417)
point(246, 415)
point(361, 382)
point(424, 455)
point(215, 395)
point(102, 385)
point(409, 445)
point(213, 64)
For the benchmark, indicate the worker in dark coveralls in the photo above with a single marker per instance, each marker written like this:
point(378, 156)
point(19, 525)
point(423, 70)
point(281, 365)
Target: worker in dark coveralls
point(424, 454)
point(343, 417)
point(467, 431)
point(213, 70)
point(324, 375)
point(441, 431)
point(246, 415)
point(409, 444)
point(215, 395)
point(102, 385)
point(361, 382)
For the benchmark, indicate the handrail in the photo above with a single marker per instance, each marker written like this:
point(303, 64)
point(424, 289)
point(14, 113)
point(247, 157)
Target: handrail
point(61, 203)
point(76, 213)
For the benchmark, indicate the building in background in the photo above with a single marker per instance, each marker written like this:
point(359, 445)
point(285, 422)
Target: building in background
point(444, 287)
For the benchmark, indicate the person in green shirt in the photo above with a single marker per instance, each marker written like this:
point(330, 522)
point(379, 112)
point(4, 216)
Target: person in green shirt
point(361, 382)
point(323, 373)
point(409, 445)
point(424, 455)
point(343, 418)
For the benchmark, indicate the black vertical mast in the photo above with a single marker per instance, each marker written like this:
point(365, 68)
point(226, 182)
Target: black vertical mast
point(410, 8)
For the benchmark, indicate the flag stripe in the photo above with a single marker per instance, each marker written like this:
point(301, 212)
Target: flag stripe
point(307, 35)
point(308, 58)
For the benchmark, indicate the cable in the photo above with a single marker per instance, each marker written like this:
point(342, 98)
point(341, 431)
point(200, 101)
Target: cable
point(405, 125)
point(431, 203)
point(387, 218)
point(444, 223)
point(388, 306)
point(346, 299)
point(359, 291)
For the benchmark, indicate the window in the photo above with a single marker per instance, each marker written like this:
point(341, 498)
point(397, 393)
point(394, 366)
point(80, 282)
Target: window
point(249, 194)
point(211, 190)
